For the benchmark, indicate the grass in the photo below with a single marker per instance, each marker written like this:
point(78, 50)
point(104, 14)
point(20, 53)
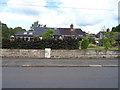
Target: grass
point(100, 48)
point(94, 47)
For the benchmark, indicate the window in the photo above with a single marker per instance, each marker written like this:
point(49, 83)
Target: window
point(30, 33)
point(81, 35)
point(25, 32)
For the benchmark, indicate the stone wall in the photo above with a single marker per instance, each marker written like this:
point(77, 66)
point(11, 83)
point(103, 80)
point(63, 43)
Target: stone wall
point(22, 53)
point(36, 53)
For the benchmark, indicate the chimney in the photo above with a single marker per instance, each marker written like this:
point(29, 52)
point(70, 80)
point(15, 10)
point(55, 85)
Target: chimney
point(71, 27)
point(108, 30)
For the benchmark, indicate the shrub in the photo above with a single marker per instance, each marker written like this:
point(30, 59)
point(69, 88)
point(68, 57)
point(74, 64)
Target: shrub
point(49, 34)
point(85, 43)
point(92, 40)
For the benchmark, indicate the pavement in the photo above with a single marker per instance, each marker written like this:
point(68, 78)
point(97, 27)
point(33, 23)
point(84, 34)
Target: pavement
point(22, 62)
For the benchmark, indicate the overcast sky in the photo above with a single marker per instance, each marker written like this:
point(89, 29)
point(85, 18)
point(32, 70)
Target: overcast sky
point(89, 15)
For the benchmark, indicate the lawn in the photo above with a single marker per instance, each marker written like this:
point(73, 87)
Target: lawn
point(100, 48)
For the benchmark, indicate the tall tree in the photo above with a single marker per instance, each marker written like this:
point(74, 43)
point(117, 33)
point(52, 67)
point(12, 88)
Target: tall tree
point(116, 29)
point(5, 31)
point(0, 35)
point(35, 25)
point(19, 29)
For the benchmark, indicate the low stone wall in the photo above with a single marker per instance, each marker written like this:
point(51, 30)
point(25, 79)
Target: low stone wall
point(36, 53)
point(22, 53)
point(85, 53)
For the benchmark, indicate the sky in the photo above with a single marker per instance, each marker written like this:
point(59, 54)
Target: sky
point(89, 15)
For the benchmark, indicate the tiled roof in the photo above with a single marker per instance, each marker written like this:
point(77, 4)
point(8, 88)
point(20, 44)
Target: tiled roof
point(75, 32)
point(37, 31)
point(58, 31)
point(65, 31)
point(79, 32)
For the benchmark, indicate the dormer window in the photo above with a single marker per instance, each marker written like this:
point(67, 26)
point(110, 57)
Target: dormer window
point(81, 35)
point(55, 28)
point(25, 33)
point(30, 33)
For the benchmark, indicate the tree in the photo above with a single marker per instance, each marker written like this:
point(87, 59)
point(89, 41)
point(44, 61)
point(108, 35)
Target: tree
point(49, 34)
point(5, 31)
point(35, 25)
point(103, 29)
point(19, 29)
point(108, 39)
point(15, 30)
point(12, 31)
point(0, 35)
point(85, 43)
point(116, 29)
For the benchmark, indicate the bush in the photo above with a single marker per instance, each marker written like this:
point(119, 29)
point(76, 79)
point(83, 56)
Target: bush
point(85, 43)
point(41, 44)
point(92, 40)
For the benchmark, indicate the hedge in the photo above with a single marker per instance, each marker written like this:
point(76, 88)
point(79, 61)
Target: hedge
point(41, 44)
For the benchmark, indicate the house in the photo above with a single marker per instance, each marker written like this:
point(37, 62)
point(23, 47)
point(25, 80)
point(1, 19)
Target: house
point(117, 38)
point(100, 35)
point(72, 32)
point(59, 33)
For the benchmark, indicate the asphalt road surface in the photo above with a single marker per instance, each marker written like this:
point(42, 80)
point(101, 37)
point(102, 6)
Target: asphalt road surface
point(60, 77)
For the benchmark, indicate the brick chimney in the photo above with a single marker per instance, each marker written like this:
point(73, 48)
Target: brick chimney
point(71, 27)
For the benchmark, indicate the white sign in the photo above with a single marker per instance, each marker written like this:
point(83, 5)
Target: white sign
point(47, 52)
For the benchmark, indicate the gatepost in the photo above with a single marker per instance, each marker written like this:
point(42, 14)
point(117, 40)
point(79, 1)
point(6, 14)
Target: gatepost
point(47, 52)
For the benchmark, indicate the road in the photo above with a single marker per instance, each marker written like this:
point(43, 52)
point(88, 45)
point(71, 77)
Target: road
point(60, 77)
point(59, 73)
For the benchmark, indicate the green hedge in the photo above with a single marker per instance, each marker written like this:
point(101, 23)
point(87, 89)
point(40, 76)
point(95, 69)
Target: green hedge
point(41, 44)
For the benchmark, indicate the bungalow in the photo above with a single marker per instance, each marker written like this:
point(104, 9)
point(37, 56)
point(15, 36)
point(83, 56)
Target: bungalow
point(59, 33)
